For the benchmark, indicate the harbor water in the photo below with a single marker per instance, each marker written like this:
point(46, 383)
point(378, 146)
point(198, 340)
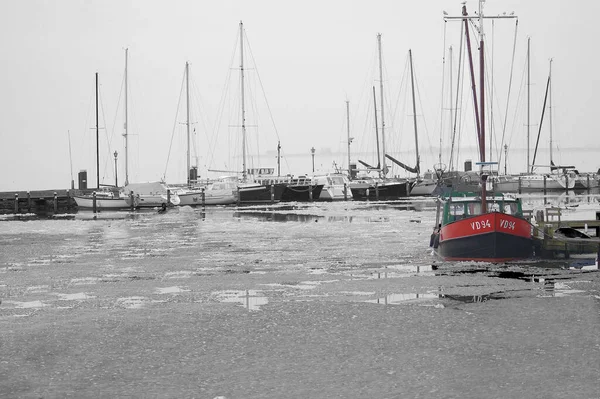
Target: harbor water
point(314, 300)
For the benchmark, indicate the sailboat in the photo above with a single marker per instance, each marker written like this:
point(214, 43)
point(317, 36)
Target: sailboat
point(257, 185)
point(380, 188)
point(477, 226)
point(559, 178)
point(220, 192)
point(423, 185)
point(102, 199)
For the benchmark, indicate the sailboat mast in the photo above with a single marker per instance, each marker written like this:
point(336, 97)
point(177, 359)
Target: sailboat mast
point(376, 131)
point(126, 135)
point(383, 167)
point(187, 95)
point(412, 80)
point(451, 113)
point(550, 107)
point(482, 106)
point(97, 138)
point(349, 139)
point(529, 167)
point(244, 176)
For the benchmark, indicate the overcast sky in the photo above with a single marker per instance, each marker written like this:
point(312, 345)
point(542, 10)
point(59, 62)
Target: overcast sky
point(310, 56)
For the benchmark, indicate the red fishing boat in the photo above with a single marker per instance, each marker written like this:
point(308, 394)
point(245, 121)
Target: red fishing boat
point(478, 226)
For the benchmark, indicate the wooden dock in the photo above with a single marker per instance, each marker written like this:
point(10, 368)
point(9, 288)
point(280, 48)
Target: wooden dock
point(552, 244)
point(40, 202)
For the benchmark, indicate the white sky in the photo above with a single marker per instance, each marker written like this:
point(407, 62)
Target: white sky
point(311, 57)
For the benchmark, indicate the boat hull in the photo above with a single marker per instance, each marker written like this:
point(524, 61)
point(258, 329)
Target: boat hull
point(84, 202)
point(383, 192)
point(260, 194)
point(210, 198)
point(301, 193)
point(491, 237)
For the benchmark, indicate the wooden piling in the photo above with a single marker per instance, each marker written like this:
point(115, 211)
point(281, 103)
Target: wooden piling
point(16, 203)
point(55, 202)
point(168, 197)
point(203, 198)
point(345, 192)
point(94, 203)
point(272, 187)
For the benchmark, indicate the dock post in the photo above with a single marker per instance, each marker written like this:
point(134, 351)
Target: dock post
point(16, 202)
point(168, 197)
point(94, 203)
point(544, 184)
point(28, 201)
point(376, 191)
point(310, 193)
point(566, 182)
point(238, 196)
point(203, 199)
point(55, 202)
point(345, 192)
point(588, 182)
point(131, 203)
point(520, 186)
point(272, 193)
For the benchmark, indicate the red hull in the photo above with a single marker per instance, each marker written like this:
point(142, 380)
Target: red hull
point(491, 237)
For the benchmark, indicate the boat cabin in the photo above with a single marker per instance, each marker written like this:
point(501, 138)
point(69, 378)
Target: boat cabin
point(464, 205)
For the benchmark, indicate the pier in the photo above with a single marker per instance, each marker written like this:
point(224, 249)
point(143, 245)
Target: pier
point(41, 202)
point(557, 238)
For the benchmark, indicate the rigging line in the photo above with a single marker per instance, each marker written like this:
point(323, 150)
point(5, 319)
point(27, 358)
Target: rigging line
point(423, 119)
point(442, 93)
point(261, 85)
point(461, 80)
point(517, 108)
point(108, 139)
point(459, 93)
point(512, 63)
point(221, 109)
point(394, 113)
point(174, 127)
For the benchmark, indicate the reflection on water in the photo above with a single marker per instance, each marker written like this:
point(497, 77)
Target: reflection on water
point(399, 271)
point(394, 299)
point(250, 299)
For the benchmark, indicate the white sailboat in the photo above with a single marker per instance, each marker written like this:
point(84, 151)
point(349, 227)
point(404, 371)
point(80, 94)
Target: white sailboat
point(105, 198)
point(221, 192)
point(559, 178)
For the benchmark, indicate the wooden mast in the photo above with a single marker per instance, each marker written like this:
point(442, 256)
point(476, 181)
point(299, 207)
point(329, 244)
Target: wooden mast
point(244, 175)
point(349, 139)
point(187, 94)
point(384, 169)
point(412, 80)
point(126, 134)
point(97, 138)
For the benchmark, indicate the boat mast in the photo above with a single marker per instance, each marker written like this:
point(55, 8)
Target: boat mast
point(187, 93)
point(278, 158)
point(244, 176)
point(482, 102)
point(529, 166)
point(412, 79)
point(97, 138)
point(550, 107)
point(376, 131)
point(349, 139)
point(384, 169)
point(126, 123)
